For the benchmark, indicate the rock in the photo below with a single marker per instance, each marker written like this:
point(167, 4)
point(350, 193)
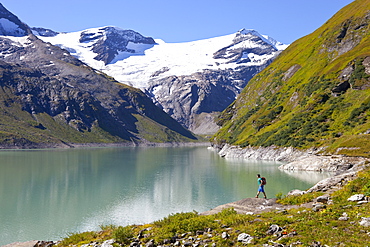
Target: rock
point(245, 238)
point(296, 193)
point(262, 153)
point(150, 243)
point(362, 202)
point(316, 244)
point(318, 207)
point(108, 243)
point(225, 235)
point(365, 221)
point(177, 243)
point(343, 218)
point(133, 244)
point(44, 244)
point(274, 229)
point(166, 241)
point(322, 199)
point(356, 198)
point(332, 182)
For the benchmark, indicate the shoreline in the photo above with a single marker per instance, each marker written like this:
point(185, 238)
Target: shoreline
point(101, 145)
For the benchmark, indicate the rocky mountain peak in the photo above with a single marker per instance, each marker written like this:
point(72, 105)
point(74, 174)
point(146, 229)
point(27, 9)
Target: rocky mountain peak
point(10, 25)
point(44, 32)
point(109, 41)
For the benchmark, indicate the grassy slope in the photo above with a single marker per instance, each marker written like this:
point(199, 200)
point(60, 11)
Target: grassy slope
point(20, 128)
point(301, 111)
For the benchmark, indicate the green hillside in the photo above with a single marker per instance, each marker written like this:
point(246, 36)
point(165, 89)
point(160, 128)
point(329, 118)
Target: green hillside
point(37, 110)
point(315, 94)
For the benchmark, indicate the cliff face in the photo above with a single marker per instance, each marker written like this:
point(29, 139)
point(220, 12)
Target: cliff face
point(315, 94)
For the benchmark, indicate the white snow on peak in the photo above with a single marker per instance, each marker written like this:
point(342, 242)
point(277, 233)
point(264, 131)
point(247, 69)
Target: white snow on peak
point(278, 45)
point(160, 60)
point(10, 28)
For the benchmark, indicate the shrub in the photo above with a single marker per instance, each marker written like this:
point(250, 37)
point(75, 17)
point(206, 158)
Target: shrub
point(300, 199)
point(123, 235)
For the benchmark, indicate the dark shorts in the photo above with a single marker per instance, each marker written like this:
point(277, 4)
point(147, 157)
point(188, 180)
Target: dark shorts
point(261, 189)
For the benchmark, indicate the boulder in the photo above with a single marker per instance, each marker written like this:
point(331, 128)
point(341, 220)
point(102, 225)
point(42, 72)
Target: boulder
point(245, 238)
point(108, 243)
point(322, 199)
point(274, 229)
point(356, 198)
point(296, 193)
point(150, 243)
point(365, 221)
point(318, 207)
point(225, 235)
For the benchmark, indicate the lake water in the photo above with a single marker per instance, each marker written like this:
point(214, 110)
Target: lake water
point(46, 194)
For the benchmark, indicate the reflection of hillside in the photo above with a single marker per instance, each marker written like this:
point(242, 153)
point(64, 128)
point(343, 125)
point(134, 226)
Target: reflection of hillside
point(309, 176)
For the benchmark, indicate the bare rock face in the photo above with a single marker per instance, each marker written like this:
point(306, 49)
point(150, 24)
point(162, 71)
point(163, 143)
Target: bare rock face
point(338, 164)
point(193, 100)
point(108, 41)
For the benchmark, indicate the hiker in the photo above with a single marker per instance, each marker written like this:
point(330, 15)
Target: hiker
point(261, 182)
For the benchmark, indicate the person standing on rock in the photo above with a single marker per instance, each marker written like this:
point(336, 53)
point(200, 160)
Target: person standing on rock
point(261, 183)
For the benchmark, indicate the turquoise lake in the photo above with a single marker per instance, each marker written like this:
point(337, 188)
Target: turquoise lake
point(46, 194)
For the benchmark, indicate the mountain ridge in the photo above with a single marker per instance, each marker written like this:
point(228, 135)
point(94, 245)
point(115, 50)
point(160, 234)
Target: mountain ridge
point(179, 77)
point(315, 94)
point(50, 98)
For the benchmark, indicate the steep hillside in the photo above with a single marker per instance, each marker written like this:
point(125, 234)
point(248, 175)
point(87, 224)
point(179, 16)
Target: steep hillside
point(48, 98)
point(315, 94)
point(191, 81)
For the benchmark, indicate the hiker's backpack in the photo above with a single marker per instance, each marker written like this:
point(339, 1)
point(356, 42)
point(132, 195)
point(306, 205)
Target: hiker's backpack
point(263, 182)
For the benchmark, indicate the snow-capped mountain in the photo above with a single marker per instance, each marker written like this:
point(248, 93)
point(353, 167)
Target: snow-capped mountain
point(51, 98)
point(182, 78)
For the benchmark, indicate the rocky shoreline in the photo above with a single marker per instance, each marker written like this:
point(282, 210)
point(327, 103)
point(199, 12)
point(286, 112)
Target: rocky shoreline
point(297, 160)
point(344, 169)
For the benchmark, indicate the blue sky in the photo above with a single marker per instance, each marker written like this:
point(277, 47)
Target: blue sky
point(181, 21)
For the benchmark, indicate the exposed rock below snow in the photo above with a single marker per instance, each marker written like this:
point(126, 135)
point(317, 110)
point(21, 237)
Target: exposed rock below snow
point(195, 100)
